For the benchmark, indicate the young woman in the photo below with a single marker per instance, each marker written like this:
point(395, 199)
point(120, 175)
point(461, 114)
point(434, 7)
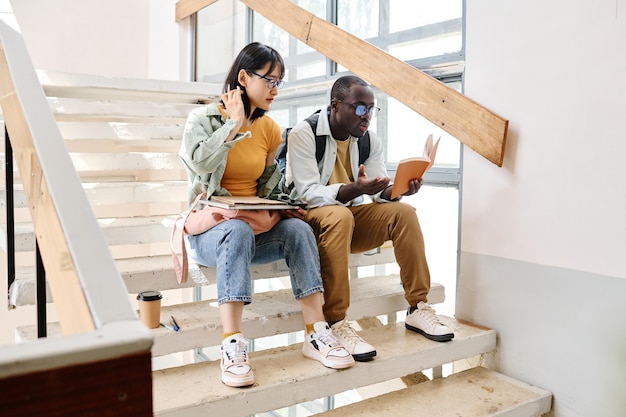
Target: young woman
point(228, 149)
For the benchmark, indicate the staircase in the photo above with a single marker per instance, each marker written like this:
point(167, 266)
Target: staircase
point(123, 136)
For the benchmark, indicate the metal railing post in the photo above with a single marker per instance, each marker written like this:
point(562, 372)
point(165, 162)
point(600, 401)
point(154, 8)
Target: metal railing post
point(10, 210)
point(42, 316)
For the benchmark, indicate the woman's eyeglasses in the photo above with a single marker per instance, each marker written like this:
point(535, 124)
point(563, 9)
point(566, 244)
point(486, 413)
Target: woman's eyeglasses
point(361, 109)
point(270, 82)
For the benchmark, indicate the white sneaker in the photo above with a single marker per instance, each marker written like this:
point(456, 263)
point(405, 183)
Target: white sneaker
point(323, 347)
point(424, 321)
point(236, 370)
point(346, 335)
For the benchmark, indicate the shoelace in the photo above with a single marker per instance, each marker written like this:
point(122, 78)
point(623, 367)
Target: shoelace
point(348, 333)
point(328, 339)
point(236, 352)
point(428, 314)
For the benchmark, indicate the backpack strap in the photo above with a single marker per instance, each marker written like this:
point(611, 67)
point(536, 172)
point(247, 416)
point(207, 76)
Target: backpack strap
point(181, 266)
point(364, 147)
point(320, 141)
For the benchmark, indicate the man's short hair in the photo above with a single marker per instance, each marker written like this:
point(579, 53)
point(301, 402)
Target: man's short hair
point(341, 87)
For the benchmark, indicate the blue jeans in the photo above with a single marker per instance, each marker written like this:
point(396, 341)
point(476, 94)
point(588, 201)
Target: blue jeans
point(231, 247)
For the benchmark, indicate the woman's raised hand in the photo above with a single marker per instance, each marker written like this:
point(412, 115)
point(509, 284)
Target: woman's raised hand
point(234, 105)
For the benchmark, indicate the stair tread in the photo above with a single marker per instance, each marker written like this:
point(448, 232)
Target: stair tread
point(120, 131)
point(285, 377)
point(270, 313)
point(157, 273)
point(475, 392)
point(62, 84)
point(117, 231)
point(130, 192)
point(101, 108)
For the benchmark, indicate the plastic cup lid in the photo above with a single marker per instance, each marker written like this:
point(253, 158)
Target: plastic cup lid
point(149, 296)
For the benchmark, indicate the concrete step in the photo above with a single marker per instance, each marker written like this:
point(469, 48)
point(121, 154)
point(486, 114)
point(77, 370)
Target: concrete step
point(117, 193)
point(284, 377)
point(95, 110)
point(117, 231)
point(101, 145)
point(61, 84)
point(144, 273)
point(475, 392)
point(117, 199)
point(120, 131)
point(270, 313)
point(119, 167)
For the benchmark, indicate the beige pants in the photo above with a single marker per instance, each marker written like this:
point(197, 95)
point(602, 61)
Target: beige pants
point(341, 230)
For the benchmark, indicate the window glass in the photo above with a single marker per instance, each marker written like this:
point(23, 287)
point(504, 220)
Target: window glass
point(407, 30)
point(301, 60)
point(359, 17)
point(406, 132)
point(405, 15)
point(215, 51)
point(438, 210)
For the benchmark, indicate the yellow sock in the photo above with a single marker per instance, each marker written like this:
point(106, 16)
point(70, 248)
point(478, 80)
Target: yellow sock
point(310, 328)
point(225, 335)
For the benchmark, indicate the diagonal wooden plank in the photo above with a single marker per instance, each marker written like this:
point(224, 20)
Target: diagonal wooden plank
point(185, 8)
point(474, 125)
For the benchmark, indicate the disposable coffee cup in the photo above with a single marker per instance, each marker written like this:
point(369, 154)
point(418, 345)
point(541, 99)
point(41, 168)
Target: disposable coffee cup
point(150, 308)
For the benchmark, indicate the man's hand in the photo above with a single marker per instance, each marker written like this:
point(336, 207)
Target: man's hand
point(414, 186)
point(362, 185)
point(370, 186)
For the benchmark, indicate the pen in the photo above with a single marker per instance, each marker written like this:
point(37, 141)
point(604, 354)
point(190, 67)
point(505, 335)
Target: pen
point(166, 326)
point(174, 324)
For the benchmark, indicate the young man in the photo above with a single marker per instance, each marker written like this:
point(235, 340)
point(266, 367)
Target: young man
point(333, 190)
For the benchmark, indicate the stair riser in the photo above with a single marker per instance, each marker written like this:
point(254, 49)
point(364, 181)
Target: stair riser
point(118, 194)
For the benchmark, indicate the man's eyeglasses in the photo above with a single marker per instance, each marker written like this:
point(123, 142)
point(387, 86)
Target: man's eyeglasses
point(361, 109)
point(270, 83)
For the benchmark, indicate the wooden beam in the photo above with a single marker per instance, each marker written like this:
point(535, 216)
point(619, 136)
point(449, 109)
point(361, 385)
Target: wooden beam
point(472, 124)
point(185, 8)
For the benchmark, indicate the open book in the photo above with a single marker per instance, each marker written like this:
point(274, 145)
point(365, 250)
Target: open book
point(412, 168)
point(247, 203)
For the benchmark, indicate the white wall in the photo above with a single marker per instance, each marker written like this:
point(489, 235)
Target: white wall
point(121, 38)
point(543, 239)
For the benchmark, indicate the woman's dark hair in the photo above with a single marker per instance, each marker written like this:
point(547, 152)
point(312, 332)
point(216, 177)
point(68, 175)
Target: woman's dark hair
point(252, 58)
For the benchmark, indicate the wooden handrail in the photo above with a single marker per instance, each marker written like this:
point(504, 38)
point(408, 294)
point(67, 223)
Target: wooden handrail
point(185, 8)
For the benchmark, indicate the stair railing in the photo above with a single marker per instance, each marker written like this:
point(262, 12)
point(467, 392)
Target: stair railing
point(101, 329)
